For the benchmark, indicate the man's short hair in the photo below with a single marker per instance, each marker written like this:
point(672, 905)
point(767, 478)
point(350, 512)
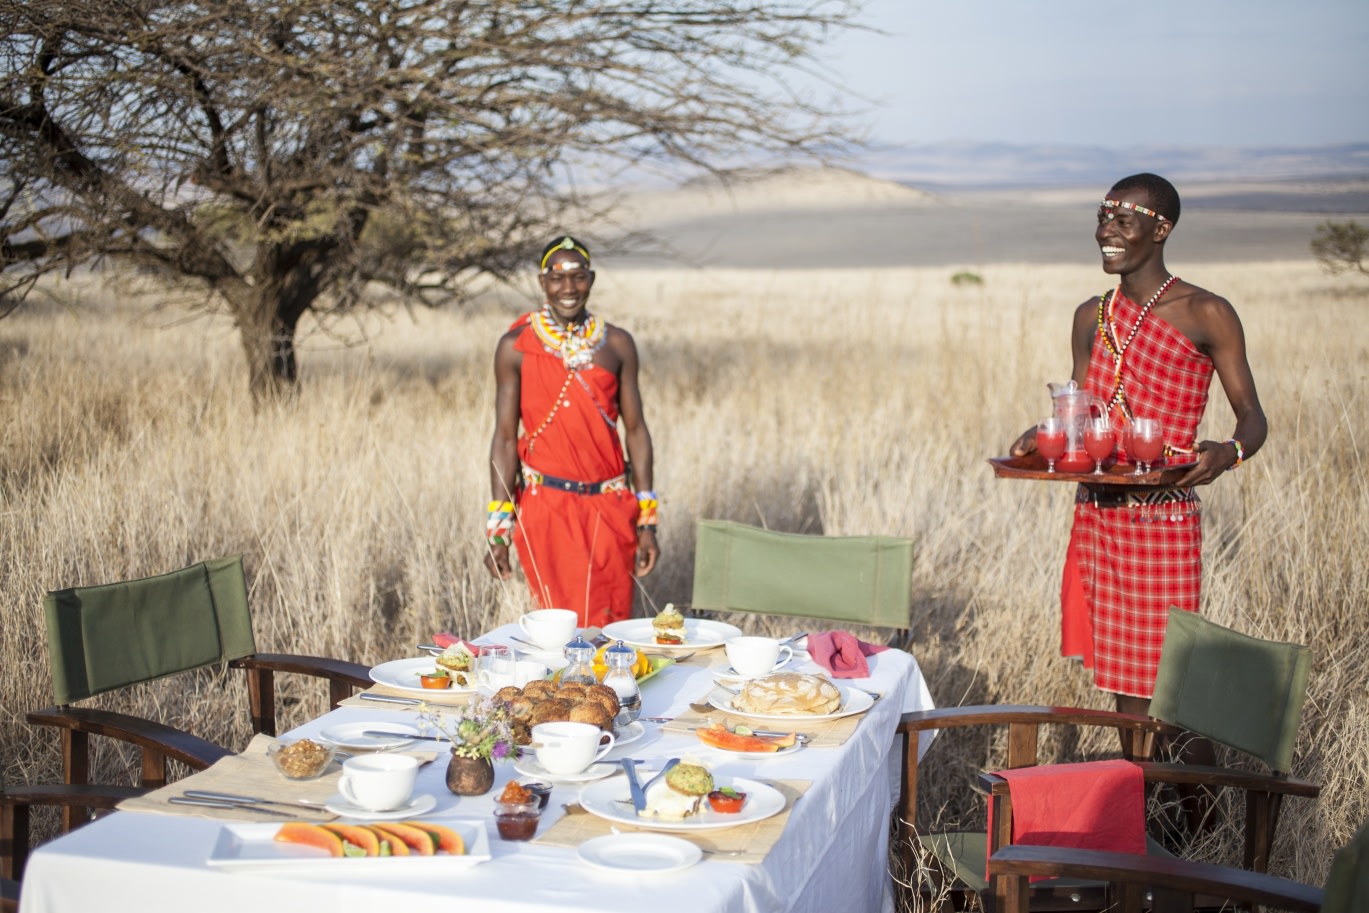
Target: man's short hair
point(1163, 197)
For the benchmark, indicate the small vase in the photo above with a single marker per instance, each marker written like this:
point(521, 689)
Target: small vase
point(469, 776)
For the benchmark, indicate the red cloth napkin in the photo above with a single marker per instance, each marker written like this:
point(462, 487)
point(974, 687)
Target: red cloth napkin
point(842, 653)
point(1095, 805)
point(445, 639)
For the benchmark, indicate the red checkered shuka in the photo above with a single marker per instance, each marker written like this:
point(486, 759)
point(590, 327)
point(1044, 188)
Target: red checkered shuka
point(1134, 562)
point(1164, 376)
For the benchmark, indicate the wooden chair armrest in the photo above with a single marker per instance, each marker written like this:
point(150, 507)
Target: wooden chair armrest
point(343, 678)
point(1161, 873)
point(1010, 714)
point(1227, 777)
point(157, 741)
point(354, 674)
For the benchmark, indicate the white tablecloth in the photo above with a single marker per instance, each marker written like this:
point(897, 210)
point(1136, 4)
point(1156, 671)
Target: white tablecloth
point(831, 858)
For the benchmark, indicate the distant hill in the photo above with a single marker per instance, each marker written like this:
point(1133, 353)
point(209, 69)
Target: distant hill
point(977, 164)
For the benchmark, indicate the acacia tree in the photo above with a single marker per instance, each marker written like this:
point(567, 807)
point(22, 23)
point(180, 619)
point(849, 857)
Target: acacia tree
point(1341, 246)
point(283, 155)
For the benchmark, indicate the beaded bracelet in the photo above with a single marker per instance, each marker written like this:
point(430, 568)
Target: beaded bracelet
point(1240, 454)
point(647, 506)
point(499, 524)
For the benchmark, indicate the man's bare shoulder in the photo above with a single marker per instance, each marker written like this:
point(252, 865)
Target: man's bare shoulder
point(618, 338)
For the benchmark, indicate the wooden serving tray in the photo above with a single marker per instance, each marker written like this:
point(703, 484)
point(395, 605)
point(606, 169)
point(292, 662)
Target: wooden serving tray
point(1033, 466)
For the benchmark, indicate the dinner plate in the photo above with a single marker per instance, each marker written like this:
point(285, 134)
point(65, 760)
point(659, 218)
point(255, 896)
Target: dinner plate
point(631, 853)
point(419, 805)
point(350, 735)
point(528, 767)
point(700, 634)
point(612, 800)
point(853, 701)
point(253, 848)
point(403, 674)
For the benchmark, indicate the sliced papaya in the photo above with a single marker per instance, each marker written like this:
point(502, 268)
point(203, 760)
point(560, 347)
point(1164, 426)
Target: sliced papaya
point(310, 835)
point(416, 841)
point(719, 736)
point(448, 840)
point(363, 838)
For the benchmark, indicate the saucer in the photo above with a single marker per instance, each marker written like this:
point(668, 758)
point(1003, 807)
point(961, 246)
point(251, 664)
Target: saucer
point(529, 767)
point(338, 805)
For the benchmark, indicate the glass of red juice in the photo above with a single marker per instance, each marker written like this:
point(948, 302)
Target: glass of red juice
point(1099, 441)
point(1050, 440)
point(1147, 443)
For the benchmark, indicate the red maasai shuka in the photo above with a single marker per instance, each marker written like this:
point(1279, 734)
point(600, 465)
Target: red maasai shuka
point(1127, 565)
point(1094, 805)
point(577, 551)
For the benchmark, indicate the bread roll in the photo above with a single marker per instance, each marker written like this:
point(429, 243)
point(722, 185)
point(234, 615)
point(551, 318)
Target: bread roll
point(789, 694)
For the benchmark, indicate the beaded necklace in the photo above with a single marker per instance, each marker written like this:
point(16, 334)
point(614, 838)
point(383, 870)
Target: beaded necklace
point(1107, 329)
point(576, 344)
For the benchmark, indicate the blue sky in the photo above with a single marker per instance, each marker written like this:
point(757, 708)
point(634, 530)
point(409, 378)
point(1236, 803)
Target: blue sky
point(1166, 72)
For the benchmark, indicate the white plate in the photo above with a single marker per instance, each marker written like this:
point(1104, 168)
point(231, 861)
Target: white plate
point(700, 634)
point(528, 767)
point(403, 674)
point(349, 735)
point(631, 853)
point(338, 805)
point(612, 800)
point(252, 847)
point(628, 734)
point(754, 755)
point(853, 701)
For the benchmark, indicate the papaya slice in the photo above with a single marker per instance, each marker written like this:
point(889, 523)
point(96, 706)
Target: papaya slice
point(390, 845)
point(310, 835)
point(447, 840)
point(414, 840)
point(719, 736)
point(363, 838)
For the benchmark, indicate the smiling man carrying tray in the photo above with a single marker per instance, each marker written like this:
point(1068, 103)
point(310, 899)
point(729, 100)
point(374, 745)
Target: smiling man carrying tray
point(1148, 348)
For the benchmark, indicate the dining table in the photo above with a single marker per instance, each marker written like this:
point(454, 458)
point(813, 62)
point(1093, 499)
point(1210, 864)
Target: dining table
point(826, 852)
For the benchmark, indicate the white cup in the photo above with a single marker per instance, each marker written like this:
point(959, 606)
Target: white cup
point(550, 629)
point(753, 657)
point(569, 748)
point(378, 782)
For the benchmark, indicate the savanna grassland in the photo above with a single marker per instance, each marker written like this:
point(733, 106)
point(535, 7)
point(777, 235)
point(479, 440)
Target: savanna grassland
point(838, 401)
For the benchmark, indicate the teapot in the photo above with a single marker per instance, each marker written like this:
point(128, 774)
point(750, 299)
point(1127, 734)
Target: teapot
point(1074, 407)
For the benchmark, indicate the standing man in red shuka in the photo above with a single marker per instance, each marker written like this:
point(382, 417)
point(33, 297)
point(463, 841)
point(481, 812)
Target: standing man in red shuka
point(1148, 348)
point(561, 491)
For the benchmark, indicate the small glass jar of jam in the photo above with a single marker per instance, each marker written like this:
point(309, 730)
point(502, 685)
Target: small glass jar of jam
point(517, 821)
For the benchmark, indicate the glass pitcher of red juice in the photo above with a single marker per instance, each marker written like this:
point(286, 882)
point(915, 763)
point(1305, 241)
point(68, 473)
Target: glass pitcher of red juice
point(1075, 409)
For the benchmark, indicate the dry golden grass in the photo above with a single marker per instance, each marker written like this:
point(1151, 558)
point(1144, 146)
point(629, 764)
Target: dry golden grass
point(839, 402)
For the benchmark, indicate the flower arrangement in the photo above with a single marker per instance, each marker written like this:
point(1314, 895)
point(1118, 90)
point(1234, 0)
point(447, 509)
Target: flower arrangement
point(482, 729)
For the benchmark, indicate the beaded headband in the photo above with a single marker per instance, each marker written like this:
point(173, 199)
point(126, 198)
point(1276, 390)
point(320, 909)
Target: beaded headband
point(1105, 210)
point(567, 243)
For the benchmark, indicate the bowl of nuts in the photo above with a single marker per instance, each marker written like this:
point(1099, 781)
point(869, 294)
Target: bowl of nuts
point(304, 759)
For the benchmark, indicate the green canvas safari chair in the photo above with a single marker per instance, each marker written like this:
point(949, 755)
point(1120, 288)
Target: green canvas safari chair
point(861, 580)
point(1175, 886)
point(1240, 691)
point(102, 639)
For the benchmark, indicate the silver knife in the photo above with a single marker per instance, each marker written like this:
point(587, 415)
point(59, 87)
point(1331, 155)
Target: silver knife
point(242, 800)
point(638, 795)
point(388, 698)
point(386, 734)
point(236, 806)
